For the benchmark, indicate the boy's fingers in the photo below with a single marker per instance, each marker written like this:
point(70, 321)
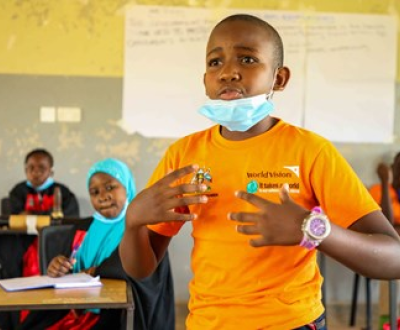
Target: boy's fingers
point(174, 216)
point(244, 217)
point(248, 230)
point(186, 200)
point(179, 173)
point(253, 199)
point(284, 194)
point(258, 242)
point(188, 188)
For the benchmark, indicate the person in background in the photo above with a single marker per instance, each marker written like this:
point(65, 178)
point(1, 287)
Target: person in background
point(387, 192)
point(111, 188)
point(33, 196)
point(262, 197)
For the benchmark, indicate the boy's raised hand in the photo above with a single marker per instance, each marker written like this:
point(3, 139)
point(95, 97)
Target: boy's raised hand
point(162, 201)
point(385, 174)
point(276, 224)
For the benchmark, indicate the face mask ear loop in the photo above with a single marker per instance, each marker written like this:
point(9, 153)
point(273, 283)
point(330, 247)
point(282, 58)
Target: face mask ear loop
point(271, 93)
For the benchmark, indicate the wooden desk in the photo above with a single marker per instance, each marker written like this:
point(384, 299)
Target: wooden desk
point(7, 231)
point(113, 294)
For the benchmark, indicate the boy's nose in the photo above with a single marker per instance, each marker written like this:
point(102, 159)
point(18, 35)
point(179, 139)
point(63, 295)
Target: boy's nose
point(231, 75)
point(229, 72)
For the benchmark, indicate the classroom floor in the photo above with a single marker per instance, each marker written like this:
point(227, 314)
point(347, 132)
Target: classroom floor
point(338, 317)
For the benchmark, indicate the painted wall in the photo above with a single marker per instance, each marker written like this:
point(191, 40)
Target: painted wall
point(70, 53)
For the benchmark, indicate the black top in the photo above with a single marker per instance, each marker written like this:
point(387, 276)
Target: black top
point(24, 198)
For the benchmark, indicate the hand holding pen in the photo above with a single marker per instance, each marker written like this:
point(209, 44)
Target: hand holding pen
point(62, 265)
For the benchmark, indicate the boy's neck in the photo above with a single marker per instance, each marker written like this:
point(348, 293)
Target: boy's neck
point(260, 128)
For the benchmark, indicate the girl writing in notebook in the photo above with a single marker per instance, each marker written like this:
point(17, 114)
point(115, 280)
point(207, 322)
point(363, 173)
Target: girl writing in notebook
point(111, 187)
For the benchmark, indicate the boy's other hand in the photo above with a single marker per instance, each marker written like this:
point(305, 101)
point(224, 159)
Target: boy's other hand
point(277, 224)
point(165, 200)
point(59, 266)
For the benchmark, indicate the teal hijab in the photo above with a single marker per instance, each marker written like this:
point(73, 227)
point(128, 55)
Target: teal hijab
point(104, 234)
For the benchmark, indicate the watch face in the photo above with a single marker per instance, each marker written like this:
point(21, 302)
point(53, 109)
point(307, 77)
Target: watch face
point(317, 227)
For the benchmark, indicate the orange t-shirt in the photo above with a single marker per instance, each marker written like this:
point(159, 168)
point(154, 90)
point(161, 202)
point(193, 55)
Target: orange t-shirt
point(376, 193)
point(236, 286)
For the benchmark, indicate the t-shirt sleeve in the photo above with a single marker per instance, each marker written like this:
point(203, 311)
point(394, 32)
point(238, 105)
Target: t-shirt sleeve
point(339, 191)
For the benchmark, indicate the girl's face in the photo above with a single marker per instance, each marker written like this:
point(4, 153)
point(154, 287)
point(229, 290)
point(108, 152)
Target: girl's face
point(107, 195)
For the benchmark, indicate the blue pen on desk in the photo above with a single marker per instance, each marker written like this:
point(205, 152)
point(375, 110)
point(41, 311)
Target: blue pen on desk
point(72, 259)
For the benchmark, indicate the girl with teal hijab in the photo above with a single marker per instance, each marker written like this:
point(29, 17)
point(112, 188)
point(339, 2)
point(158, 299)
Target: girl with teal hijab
point(104, 235)
point(111, 187)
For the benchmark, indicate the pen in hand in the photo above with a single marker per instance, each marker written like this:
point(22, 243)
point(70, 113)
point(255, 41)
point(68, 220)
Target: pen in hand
point(72, 258)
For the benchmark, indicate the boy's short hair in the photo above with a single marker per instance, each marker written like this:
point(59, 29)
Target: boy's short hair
point(273, 33)
point(40, 151)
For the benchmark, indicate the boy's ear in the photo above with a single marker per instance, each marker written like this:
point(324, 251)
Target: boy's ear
point(282, 78)
point(204, 82)
point(52, 172)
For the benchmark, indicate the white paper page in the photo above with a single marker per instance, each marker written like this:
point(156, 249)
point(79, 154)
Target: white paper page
point(35, 282)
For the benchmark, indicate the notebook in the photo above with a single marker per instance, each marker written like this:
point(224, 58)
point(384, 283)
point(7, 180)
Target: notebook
point(78, 280)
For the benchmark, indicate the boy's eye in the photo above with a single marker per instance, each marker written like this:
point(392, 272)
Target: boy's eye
point(214, 62)
point(247, 60)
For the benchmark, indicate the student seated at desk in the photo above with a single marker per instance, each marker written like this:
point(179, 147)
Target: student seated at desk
point(111, 188)
point(35, 195)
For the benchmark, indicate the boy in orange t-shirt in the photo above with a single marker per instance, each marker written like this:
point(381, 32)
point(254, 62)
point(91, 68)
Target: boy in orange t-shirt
point(256, 200)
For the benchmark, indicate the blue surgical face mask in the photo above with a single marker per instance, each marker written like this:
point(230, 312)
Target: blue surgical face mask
point(49, 181)
point(240, 114)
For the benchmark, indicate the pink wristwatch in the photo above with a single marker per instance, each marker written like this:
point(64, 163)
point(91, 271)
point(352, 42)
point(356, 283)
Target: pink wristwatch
point(316, 227)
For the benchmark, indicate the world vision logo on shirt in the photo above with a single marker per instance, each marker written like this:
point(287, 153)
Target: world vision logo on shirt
point(272, 181)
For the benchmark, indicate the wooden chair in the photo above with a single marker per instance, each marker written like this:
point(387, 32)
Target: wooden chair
point(5, 206)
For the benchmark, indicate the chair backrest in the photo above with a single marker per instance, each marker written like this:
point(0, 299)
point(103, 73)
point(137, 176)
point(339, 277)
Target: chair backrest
point(53, 241)
point(5, 206)
point(57, 239)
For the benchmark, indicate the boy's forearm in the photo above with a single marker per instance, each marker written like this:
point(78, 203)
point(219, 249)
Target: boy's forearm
point(137, 256)
point(371, 255)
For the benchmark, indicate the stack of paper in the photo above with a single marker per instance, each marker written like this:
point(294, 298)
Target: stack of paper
point(78, 280)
